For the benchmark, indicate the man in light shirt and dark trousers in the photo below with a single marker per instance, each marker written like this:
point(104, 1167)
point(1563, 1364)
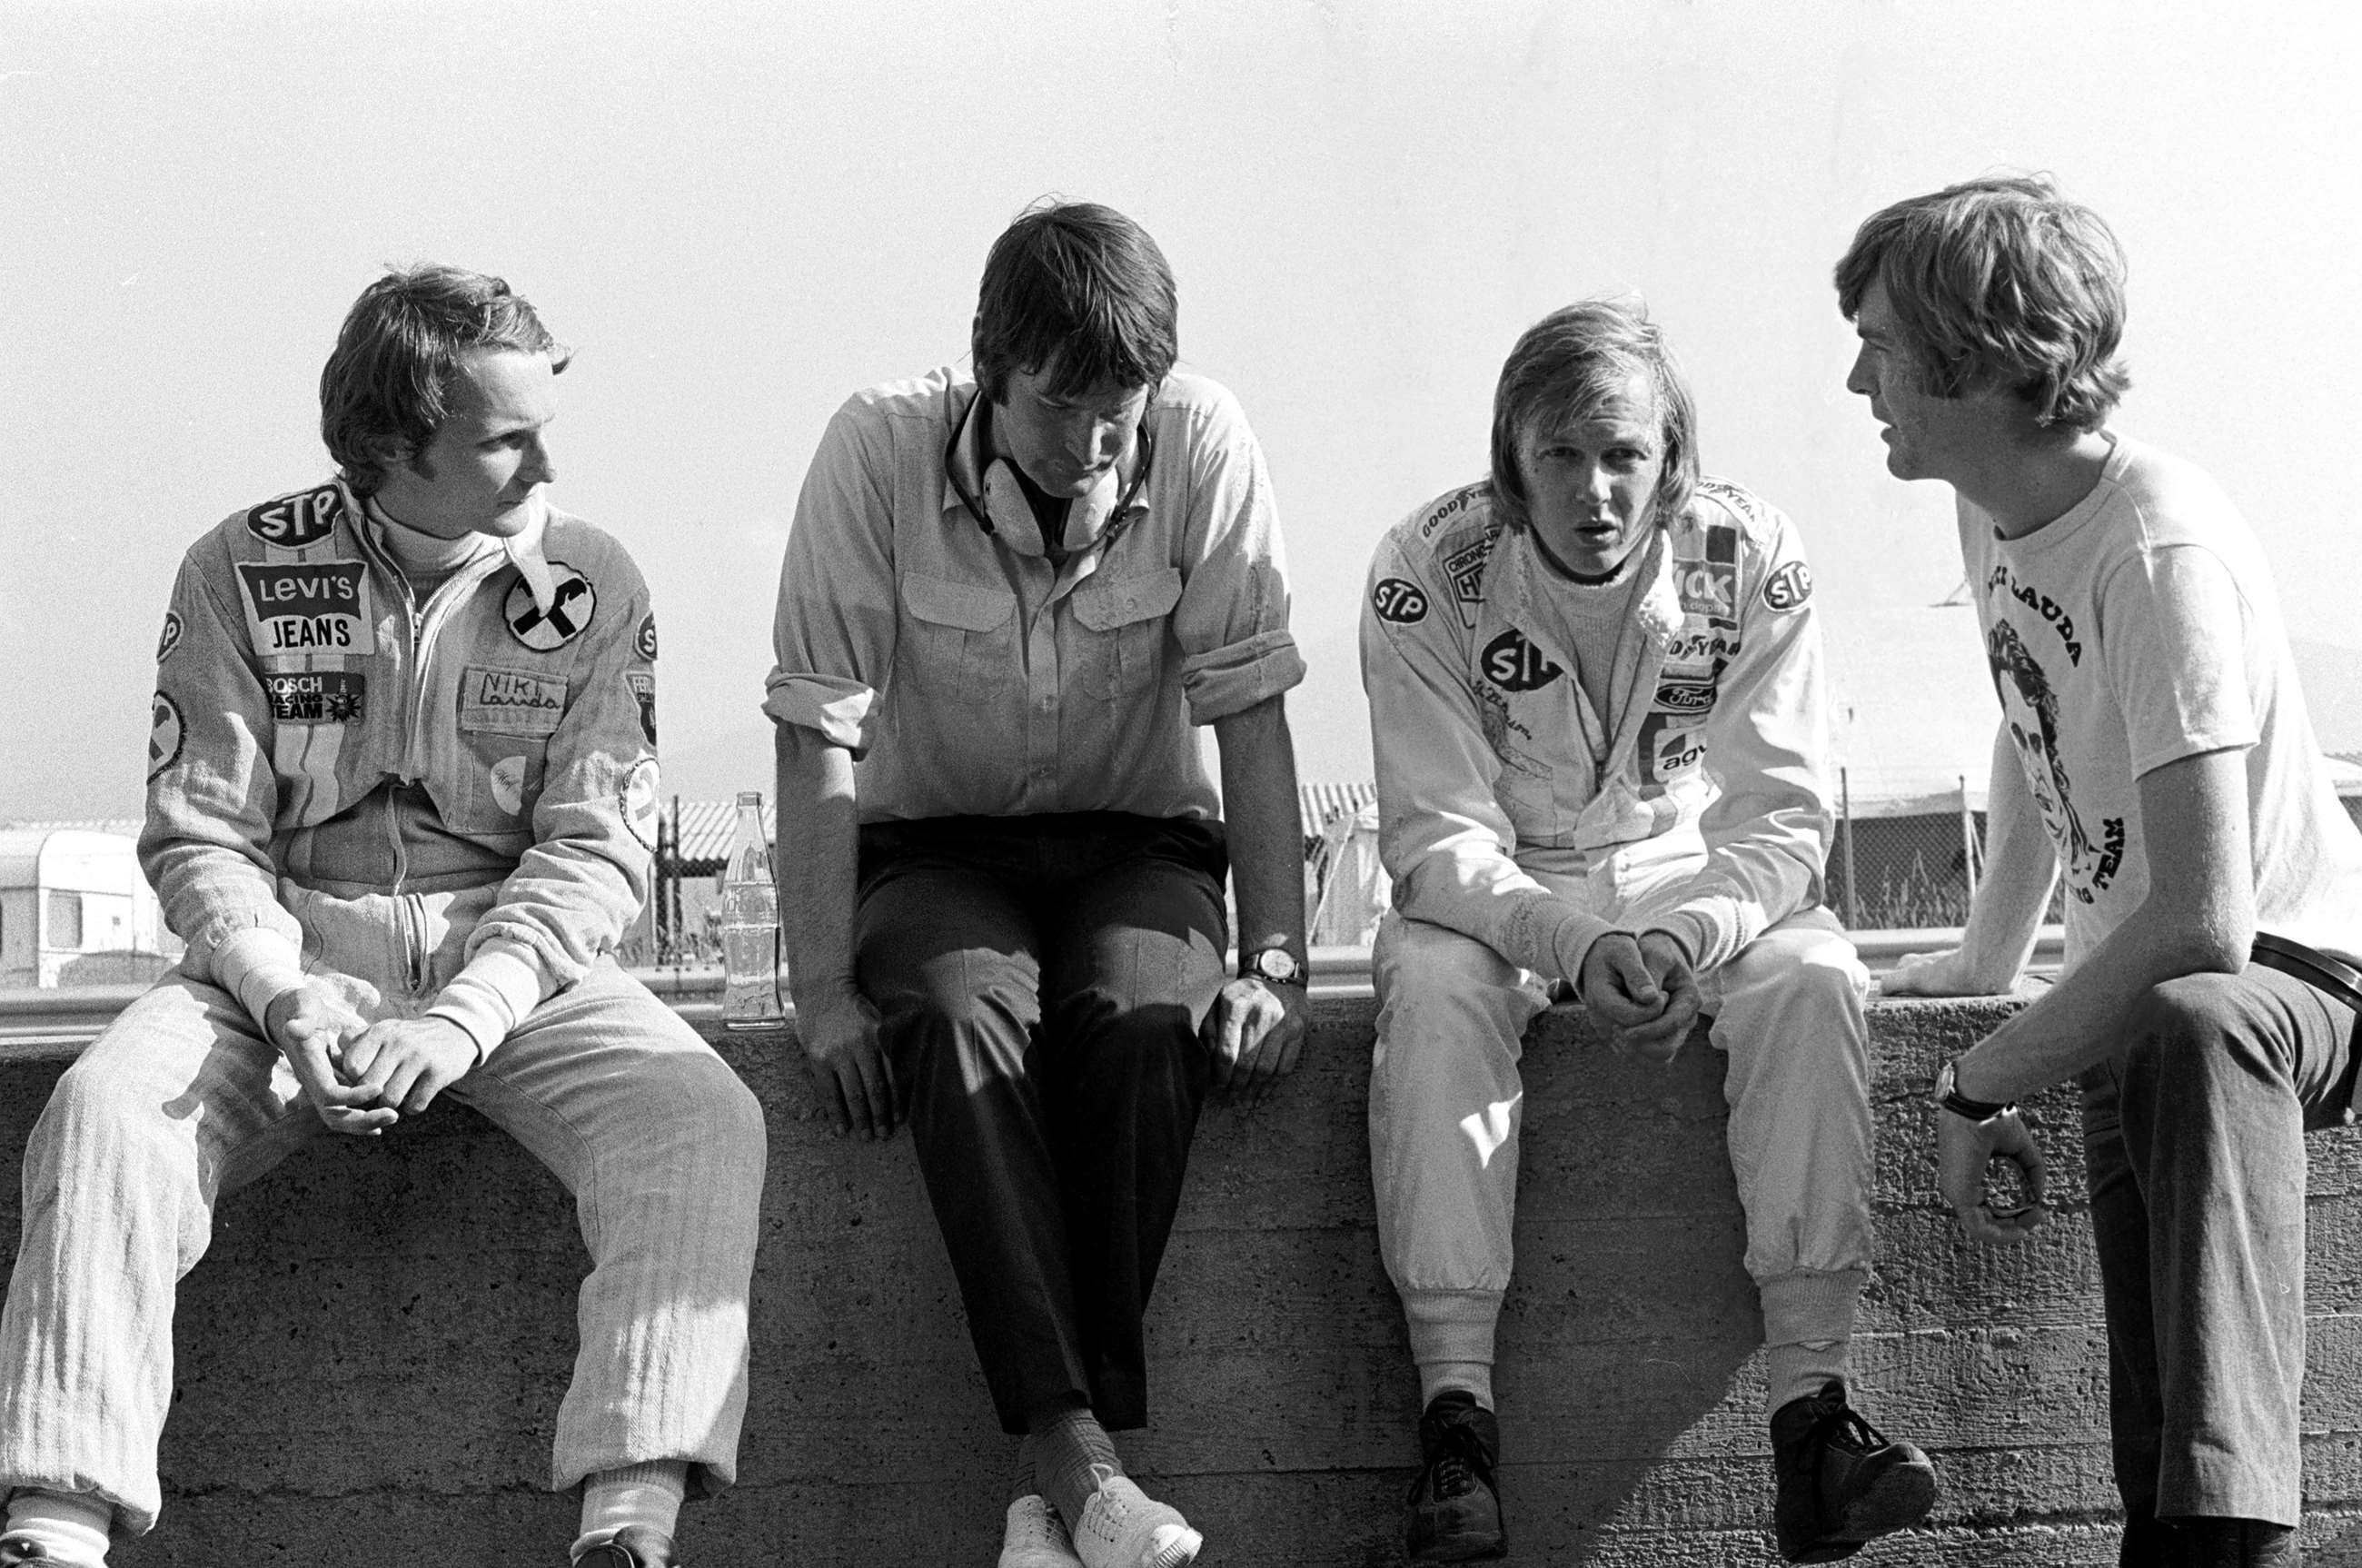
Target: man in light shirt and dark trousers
point(1005, 603)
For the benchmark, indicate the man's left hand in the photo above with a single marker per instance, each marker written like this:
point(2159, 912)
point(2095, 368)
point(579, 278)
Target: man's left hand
point(1965, 1150)
point(1257, 1031)
point(1657, 1039)
point(406, 1062)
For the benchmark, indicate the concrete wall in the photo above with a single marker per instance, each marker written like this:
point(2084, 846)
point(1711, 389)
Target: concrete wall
point(371, 1357)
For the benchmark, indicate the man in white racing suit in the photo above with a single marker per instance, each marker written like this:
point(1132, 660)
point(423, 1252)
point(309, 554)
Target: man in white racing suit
point(401, 798)
point(1595, 700)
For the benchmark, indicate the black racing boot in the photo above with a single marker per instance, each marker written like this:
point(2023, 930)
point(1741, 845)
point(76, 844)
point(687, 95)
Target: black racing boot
point(1841, 1482)
point(1454, 1514)
point(2237, 1543)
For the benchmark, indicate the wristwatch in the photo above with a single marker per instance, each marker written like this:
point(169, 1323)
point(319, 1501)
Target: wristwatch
point(1273, 966)
point(1950, 1098)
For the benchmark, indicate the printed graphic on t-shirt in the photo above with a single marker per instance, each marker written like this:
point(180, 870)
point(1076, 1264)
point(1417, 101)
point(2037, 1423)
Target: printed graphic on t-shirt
point(2029, 706)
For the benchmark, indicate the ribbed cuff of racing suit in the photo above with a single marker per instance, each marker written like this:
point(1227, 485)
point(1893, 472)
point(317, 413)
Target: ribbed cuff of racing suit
point(1692, 930)
point(258, 965)
point(1570, 943)
point(1451, 1325)
point(502, 983)
point(1810, 1304)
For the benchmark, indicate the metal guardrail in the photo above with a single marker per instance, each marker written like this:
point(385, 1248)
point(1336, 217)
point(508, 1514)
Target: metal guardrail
point(35, 1023)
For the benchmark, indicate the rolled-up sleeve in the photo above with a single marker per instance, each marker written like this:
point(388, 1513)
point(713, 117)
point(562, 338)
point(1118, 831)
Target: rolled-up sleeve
point(1231, 618)
point(833, 635)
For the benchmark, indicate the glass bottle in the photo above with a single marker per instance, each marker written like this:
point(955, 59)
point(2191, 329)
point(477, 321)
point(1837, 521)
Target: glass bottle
point(750, 924)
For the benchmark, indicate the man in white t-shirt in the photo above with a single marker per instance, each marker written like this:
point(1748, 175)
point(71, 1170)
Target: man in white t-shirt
point(2209, 992)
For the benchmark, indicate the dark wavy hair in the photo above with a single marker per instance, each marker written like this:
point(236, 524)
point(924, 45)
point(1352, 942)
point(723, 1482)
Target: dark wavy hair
point(2001, 282)
point(398, 356)
point(1569, 363)
point(1079, 289)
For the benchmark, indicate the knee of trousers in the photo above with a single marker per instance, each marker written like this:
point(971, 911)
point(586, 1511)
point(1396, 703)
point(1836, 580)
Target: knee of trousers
point(965, 1019)
point(2182, 1039)
point(698, 1129)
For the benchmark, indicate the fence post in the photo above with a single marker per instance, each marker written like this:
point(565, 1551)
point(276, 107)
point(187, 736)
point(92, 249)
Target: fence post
point(1845, 804)
point(1968, 839)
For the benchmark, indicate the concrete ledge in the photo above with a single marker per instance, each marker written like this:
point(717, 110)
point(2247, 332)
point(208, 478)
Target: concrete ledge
point(371, 1360)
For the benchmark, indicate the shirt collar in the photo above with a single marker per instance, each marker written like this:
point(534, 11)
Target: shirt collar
point(522, 549)
point(991, 481)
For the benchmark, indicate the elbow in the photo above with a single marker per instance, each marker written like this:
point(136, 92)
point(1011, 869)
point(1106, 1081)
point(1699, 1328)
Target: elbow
point(2219, 947)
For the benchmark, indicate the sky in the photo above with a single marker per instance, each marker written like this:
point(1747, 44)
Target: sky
point(738, 214)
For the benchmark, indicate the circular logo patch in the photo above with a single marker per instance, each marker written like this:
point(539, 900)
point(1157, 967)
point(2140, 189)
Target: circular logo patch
point(508, 784)
point(645, 642)
point(164, 734)
point(171, 637)
point(571, 605)
point(638, 802)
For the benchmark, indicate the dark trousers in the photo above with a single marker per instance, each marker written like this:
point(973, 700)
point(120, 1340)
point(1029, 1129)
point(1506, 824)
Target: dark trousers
point(2193, 1140)
point(1041, 983)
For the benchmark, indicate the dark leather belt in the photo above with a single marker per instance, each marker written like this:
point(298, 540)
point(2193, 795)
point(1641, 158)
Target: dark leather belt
point(2335, 975)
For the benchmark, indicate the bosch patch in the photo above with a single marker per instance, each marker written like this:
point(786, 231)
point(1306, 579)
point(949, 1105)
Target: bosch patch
point(498, 701)
point(164, 734)
point(315, 607)
point(1684, 697)
point(1400, 602)
point(1788, 588)
point(1514, 663)
point(571, 605)
point(637, 800)
point(171, 637)
point(643, 641)
point(292, 521)
point(317, 697)
point(643, 692)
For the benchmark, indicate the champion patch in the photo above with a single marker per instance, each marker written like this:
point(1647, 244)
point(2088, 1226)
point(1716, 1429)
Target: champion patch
point(164, 734)
point(637, 800)
point(317, 697)
point(1400, 602)
point(1788, 588)
point(510, 701)
point(571, 605)
point(643, 692)
point(643, 641)
point(171, 637)
point(317, 607)
point(292, 521)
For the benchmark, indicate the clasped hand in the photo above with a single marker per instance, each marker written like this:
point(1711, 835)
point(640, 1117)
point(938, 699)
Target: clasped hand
point(1641, 991)
point(362, 1078)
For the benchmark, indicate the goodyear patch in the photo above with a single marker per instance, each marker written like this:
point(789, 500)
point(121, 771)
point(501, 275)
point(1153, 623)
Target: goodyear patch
point(318, 696)
point(1399, 601)
point(638, 801)
point(171, 638)
point(292, 522)
point(1789, 588)
point(643, 641)
point(573, 602)
point(1513, 664)
point(1686, 697)
point(643, 691)
point(315, 607)
point(500, 702)
point(165, 734)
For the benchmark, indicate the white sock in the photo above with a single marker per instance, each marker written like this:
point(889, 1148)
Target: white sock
point(1801, 1370)
point(71, 1527)
point(645, 1495)
point(1435, 1376)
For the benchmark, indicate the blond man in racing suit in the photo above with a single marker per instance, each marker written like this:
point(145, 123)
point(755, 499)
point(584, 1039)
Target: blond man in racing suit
point(400, 797)
point(1596, 696)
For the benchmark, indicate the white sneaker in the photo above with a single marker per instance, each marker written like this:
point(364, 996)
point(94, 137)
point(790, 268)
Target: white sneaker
point(1122, 1526)
point(1035, 1537)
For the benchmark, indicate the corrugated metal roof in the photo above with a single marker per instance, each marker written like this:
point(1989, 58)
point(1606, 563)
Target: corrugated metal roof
point(706, 826)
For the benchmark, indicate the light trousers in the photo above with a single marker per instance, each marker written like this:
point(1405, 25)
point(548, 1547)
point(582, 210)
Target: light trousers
point(180, 1103)
point(1447, 1105)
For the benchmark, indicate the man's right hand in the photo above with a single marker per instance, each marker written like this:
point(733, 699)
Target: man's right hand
point(1935, 975)
point(1640, 992)
point(852, 1082)
point(310, 1025)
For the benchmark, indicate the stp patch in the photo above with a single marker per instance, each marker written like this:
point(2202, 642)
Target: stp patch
point(292, 522)
point(1514, 663)
point(643, 641)
point(171, 638)
point(318, 696)
point(572, 602)
point(1399, 601)
point(1789, 588)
